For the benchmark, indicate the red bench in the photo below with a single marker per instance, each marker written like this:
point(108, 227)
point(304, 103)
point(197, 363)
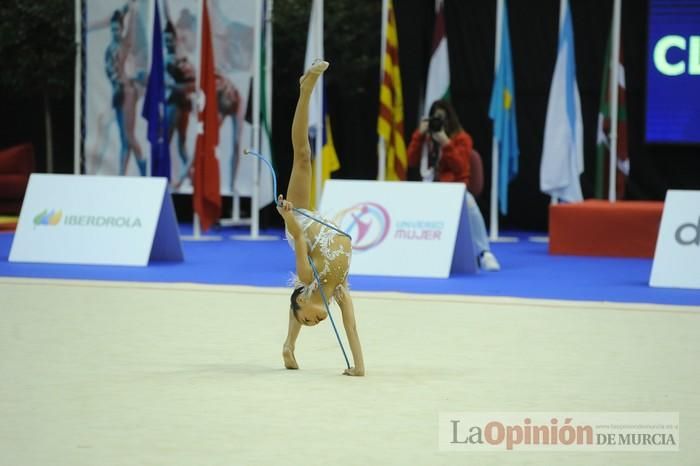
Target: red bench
point(602, 228)
point(16, 164)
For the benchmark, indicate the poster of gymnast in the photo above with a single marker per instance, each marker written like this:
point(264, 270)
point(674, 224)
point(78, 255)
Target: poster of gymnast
point(118, 48)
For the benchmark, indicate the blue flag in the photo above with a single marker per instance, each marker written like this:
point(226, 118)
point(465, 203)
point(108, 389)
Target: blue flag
point(154, 105)
point(502, 112)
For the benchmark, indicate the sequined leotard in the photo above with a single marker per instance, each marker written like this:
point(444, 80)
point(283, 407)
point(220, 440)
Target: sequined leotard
point(329, 250)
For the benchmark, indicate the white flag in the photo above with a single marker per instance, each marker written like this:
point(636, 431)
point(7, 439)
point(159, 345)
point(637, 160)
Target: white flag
point(438, 83)
point(314, 50)
point(562, 151)
point(265, 193)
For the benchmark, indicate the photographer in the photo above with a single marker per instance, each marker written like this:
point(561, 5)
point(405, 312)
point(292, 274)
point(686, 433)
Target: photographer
point(442, 148)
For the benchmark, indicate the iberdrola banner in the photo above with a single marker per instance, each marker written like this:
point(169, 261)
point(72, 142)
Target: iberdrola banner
point(118, 48)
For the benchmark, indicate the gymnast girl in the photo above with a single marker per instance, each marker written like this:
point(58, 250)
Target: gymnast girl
point(322, 252)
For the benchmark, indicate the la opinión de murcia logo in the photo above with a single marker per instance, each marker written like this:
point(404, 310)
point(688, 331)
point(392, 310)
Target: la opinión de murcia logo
point(644, 431)
point(367, 222)
point(563, 432)
point(688, 234)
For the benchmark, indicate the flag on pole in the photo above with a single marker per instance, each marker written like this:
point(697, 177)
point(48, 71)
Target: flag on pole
point(265, 195)
point(502, 112)
point(562, 151)
point(603, 148)
point(314, 50)
point(438, 84)
point(390, 122)
point(321, 143)
point(329, 157)
point(207, 195)
point(154, 105)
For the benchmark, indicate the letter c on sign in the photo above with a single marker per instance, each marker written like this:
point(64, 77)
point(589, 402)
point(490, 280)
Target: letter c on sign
point(660, 52)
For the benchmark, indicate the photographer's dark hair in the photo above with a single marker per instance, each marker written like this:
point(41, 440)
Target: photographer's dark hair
point(452, 122)
point(295, 306)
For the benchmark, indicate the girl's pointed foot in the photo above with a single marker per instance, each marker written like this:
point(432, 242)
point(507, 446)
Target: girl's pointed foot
point(317, 68)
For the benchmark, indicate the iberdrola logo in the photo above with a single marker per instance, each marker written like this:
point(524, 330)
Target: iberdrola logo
point(48, 217)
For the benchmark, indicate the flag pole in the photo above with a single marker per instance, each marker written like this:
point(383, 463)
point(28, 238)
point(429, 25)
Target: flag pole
point(562, 11)
point(493, 227)
point(495, 151)
point(152, 22)
point(381, 147)
point(256, 133)
point(236, 219)
point(554, 200)
point(614, 92)
point(196, 231)
point(381, 157)
point(255, 195)
point(77, 87)
point(318, 162)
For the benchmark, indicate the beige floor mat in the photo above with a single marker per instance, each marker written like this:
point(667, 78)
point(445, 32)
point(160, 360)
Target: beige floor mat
point(104, 373)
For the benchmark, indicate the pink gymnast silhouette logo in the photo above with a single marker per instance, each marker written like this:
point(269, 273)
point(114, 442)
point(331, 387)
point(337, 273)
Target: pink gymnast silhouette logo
point(367, 222)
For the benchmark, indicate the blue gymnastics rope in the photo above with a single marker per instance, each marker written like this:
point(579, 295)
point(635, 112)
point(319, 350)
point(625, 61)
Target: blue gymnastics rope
point(313, 267)
point(274, 191)
point(330, 316)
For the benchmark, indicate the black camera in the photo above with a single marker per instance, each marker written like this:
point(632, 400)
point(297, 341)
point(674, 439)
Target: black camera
point(435, 124)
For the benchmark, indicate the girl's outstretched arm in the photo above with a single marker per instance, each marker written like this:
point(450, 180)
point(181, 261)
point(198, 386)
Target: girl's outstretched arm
point(348, 311)
point(301, 252)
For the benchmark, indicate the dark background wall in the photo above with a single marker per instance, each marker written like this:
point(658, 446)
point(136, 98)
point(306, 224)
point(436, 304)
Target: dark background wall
point(471, 32)
point(352, 46)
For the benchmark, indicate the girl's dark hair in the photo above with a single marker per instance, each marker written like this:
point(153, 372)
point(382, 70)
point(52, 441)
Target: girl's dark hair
point(452, 122)
point(117, 17)
point(295, 305)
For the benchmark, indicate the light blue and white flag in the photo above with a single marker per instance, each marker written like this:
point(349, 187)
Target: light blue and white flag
point(562, 151)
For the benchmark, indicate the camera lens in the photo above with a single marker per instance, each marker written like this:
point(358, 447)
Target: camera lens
point(435, 124)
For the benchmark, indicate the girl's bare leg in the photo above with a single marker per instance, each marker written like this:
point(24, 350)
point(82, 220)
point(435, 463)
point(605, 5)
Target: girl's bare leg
point(299, 190)
point(290, 361)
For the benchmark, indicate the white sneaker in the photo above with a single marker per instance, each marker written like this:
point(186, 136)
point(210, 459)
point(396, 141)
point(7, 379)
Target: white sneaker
point(488, 262)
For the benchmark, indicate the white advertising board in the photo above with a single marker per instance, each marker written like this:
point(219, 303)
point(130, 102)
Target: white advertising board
point(677, 256)
point(407, 229)
point(108, 220)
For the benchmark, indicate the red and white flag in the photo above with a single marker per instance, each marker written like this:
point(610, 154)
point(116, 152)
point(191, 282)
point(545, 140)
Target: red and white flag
point(207, 195)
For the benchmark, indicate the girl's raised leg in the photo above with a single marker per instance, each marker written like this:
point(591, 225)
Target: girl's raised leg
point(299, 190)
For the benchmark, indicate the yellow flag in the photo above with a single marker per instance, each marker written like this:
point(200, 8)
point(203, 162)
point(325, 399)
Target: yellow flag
point(329, 159)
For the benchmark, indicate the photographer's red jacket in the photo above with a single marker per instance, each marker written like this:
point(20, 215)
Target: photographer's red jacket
point(454, 160)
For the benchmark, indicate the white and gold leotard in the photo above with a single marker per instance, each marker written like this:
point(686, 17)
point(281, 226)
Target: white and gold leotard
point(329, 250)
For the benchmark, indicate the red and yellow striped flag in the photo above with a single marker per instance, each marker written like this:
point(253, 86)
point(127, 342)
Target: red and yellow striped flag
point(390, 123)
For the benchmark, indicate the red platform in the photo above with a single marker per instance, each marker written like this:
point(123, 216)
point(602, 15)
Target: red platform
point(602, 228)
